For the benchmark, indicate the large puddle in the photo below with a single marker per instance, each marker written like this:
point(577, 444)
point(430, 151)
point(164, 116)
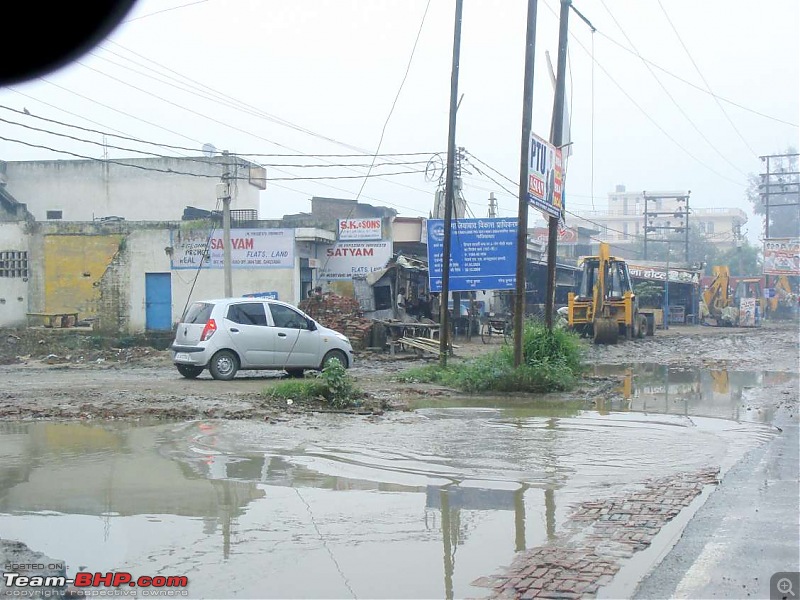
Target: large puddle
point(410, 505)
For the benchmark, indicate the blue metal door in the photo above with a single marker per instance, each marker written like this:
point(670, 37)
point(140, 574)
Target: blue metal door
point(158, 301)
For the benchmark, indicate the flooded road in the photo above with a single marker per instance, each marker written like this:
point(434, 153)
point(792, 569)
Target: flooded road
point(413, 505)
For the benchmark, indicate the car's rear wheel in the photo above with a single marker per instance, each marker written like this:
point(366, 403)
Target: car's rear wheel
point(224, 365)
point(334, 354)
point(189, 371)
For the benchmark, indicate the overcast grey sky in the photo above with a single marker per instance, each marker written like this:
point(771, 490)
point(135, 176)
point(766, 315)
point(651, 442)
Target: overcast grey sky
point(332, 68)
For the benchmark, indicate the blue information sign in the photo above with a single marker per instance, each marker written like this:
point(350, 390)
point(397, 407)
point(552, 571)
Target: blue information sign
point(483, 254)
point(268, 295)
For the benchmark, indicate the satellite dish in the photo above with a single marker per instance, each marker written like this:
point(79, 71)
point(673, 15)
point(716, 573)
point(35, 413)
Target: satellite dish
point(209, 150)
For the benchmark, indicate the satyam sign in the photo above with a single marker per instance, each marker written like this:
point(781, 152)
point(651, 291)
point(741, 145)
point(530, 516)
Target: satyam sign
point(545, 177)
point(343, 260)
point(250, 249)
point(360, 229)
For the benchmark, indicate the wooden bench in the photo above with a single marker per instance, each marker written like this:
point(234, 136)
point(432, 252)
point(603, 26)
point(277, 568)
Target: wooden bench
point(55, 319)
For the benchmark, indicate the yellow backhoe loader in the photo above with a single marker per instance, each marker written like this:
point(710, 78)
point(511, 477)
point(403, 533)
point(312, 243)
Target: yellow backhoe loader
point(722, 303)
point(605, 306)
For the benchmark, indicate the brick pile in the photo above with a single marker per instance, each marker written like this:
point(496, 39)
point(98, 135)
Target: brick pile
point(342, 314)
point(597, 537)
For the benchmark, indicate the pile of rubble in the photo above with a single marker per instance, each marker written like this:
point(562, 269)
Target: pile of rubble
point(342, 314)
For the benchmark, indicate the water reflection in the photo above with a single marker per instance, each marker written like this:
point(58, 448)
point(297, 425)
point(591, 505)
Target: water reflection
point(719, 393)
point(446, 493)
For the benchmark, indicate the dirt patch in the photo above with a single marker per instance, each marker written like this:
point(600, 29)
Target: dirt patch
point(52, 374)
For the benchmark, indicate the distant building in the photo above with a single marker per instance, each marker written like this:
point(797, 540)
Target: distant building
point(623, 222)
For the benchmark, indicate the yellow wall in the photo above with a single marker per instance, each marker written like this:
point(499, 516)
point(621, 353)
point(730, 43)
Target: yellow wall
point(72, 265)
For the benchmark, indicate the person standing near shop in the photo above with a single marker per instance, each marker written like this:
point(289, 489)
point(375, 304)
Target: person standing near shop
point(401, 304)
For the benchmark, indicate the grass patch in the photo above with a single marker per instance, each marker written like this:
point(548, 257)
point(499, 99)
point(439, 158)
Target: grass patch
point(552, 361)
point(333, 384)
point(297, 389)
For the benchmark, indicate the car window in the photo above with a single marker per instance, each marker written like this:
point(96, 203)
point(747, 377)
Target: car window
point(199, 312)
point(283, 316)
point(248, 313)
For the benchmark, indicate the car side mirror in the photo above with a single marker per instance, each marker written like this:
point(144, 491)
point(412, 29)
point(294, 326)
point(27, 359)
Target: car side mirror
point(312, 326)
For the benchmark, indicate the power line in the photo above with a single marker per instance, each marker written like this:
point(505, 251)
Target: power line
point(174, 172)
point(221, 122)
point(239, 154)
point(669, 95)
point(699, 72)
point(646, 114)
point(697, 87)
point(327, 185)
point(389, 116)
point(158, 12)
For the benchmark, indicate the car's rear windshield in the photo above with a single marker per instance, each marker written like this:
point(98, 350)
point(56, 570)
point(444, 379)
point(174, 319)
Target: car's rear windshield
point(199, 312)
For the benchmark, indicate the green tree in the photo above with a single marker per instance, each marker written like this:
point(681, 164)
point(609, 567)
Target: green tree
point(742, 261)
point(701, 249)
point(784, 186)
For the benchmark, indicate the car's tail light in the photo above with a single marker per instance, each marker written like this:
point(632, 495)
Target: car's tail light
point(208, 330)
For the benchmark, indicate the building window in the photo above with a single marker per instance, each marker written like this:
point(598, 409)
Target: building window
point(54, 215)
point(13, 263)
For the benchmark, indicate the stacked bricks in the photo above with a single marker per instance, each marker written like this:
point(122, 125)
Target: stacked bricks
point(597, 537)
point(340, 313)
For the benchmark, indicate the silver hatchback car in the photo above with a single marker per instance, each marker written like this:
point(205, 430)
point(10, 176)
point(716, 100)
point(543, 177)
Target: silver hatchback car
point(230, 334)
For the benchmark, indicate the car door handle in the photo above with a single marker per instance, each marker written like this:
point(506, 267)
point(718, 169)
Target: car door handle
point(233, 330)
point(281, 335)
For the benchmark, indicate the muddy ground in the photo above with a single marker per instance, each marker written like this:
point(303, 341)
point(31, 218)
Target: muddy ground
point(63, 374)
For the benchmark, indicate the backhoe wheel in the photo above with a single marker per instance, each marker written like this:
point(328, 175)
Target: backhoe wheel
point(606, 331)
point(642, 329)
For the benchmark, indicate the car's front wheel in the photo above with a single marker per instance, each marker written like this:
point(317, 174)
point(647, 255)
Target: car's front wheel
point(189, 371)
point(224, 365)
point(334, 354)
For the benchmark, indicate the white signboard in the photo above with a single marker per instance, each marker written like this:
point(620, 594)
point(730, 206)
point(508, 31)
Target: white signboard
point(250, 249)
point(343, 260)
point(545, 177)
point(360, 229)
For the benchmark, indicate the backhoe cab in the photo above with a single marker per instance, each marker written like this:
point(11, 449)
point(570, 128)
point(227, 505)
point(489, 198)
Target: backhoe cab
point(605, 306)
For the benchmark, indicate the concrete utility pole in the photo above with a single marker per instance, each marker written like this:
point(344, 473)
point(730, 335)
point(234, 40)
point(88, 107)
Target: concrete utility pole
point(525, 145)
point(224, 189)
point(444, 321)
point(557, 139)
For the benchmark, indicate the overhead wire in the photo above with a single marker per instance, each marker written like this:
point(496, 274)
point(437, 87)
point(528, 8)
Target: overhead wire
point(705, 81)
point(646, 114)
point(158, 12)
point(697, 87)
point(389, 116)
point(669, 94)
point(213, 95)
point(174, 172)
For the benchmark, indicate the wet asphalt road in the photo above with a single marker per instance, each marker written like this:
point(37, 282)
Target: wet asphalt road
point(747, 530)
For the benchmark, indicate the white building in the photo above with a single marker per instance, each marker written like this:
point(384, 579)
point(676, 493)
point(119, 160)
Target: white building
point(623, 222)
point(134, 189)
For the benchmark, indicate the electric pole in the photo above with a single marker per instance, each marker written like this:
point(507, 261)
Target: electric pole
point(654, 219)
point(225, 189)
point(525, 145)
point(557, 139)
point(444, 321)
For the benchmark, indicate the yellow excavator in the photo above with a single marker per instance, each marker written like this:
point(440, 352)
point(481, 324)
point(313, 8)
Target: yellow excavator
point(784, 302)
point(605, 307)
point(717, 299)
point(721, 303)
